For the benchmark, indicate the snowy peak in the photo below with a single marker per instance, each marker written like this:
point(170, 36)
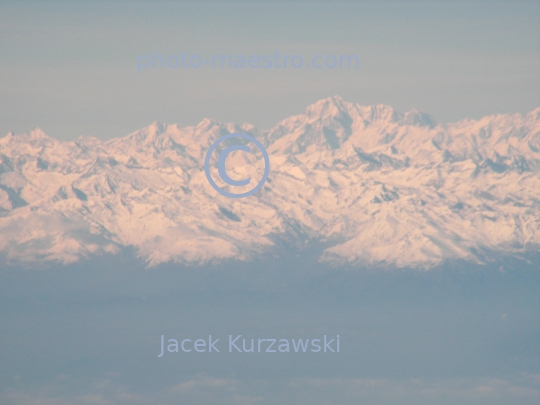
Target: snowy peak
point(35, 138)
point(533, 116)
point(379, 112)
point(374, 185)
point(418, 119)
point(325, 125)
point(141, 138)
point(328, 107)
point(328, 124)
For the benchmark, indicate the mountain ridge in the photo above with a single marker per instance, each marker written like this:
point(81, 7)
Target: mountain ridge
point(374, 185)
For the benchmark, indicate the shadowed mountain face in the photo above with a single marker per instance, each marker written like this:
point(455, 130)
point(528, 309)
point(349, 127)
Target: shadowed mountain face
point(368, 184)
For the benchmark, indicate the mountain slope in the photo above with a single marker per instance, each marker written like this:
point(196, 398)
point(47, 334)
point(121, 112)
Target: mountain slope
point(374, 185)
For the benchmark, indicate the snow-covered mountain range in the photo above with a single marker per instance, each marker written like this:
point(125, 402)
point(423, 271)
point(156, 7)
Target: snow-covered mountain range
point(373, 185)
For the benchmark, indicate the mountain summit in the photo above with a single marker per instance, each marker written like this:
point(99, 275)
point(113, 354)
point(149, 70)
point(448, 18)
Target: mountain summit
point(374, 185)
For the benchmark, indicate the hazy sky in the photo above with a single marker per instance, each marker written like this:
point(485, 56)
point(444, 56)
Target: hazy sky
point(70, 68)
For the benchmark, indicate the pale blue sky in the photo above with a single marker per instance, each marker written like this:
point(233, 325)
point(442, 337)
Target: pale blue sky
point(71, 67)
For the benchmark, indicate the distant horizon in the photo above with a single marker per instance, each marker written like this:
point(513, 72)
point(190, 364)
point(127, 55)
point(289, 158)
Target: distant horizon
point(269, 128)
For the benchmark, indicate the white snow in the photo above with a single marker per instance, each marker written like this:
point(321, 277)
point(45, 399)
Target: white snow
point(378, 186)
